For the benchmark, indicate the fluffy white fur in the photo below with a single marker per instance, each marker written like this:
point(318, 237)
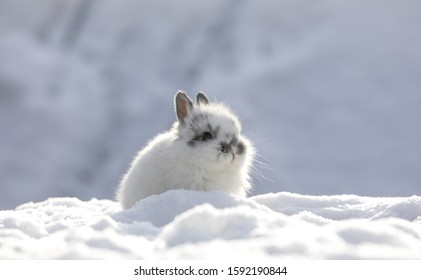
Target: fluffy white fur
point(203, 151)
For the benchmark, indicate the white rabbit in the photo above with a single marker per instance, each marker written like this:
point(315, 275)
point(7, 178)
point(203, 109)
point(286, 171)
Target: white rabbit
point(204, 151)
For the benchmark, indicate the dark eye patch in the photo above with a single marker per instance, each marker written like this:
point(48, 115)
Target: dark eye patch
point(200, 136)
point(206, 136)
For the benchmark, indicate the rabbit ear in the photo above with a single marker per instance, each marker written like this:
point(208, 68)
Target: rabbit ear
point(183, 105)
point(201, 98)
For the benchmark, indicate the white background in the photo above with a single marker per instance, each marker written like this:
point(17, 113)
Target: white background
point(329, 91)
point(328, 270)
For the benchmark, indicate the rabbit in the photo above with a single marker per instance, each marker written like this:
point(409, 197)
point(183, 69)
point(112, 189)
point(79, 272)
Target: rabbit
point(204, 151)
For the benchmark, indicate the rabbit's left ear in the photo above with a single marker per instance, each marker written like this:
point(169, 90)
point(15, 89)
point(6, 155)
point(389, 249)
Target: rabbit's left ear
point(183, 105)
point(201, 98)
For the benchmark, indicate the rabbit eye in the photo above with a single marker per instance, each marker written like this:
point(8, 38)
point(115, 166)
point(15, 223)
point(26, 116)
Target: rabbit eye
point(206, 136)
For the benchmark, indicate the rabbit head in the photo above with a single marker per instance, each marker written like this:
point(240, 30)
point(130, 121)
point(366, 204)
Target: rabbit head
point(212, 134)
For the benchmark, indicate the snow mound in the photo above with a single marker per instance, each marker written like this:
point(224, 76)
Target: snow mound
point(197, 225)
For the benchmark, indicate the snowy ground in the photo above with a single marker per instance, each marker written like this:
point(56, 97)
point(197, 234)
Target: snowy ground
point(214, 225)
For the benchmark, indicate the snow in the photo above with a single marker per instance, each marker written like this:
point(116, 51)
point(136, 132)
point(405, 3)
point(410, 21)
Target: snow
point(328, 91)
point(184, 224)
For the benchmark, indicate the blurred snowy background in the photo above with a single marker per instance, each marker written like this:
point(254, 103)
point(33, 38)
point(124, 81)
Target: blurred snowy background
point(328, 90)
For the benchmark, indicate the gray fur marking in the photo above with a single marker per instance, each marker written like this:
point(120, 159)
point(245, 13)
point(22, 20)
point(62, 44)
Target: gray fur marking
point(241, 148)
point(201, 98)
point(198, 134)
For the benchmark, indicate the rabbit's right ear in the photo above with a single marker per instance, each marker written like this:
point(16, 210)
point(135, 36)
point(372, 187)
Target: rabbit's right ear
point(183, 105)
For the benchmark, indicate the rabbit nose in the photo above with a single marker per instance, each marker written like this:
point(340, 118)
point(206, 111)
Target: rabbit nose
point(225, 148)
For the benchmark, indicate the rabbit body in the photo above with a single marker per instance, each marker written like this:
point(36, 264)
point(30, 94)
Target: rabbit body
point(203, 151)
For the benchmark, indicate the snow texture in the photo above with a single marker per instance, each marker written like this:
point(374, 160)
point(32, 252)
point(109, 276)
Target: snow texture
point(182, 224)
